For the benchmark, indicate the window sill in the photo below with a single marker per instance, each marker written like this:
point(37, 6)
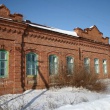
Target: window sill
point(4, 77)
point(31, 76)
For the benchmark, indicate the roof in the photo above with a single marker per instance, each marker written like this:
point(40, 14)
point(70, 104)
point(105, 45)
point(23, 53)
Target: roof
point(5, 14)
point(72, 33)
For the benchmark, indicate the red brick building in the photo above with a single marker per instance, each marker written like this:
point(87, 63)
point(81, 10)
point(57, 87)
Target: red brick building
point(30, 53)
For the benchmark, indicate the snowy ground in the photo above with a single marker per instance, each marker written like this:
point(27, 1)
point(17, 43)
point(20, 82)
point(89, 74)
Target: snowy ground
point(57, 99)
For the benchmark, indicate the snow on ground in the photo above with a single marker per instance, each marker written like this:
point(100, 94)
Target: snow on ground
point(57, 99)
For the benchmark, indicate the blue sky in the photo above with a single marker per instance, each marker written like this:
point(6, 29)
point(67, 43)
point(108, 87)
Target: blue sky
point(64, 14)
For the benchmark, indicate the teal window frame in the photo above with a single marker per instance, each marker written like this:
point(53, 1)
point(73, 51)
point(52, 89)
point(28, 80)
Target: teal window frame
point(53, 64)
point(31, 64)
point(105, 66)
point(4, 61)
point(96, 65)
point(70, 64)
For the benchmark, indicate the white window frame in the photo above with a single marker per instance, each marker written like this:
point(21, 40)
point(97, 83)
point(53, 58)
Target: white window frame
point(53, 64)
point(87, 64)
point(70, 64)
point(105, 66)
point(96, 65)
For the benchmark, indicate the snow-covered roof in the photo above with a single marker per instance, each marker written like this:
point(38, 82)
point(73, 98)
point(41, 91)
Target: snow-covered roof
point(72, 33)
point(6, 18)
point(1, 4)
point(91, 26)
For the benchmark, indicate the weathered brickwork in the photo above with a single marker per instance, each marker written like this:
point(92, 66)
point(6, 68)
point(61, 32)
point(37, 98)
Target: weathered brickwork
point(19, 38)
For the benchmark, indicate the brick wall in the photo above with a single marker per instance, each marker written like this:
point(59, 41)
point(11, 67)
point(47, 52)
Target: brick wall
point(18, 38)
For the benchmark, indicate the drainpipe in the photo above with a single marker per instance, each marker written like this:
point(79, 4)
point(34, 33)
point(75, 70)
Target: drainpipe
point(80, 54)
point(23, 75)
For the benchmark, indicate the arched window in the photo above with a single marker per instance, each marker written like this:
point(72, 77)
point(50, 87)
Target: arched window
point(70, 64)
point(105, 66)
point(3, 63)
point(31, 64)
point(53, 64)
point(96, 65)
point(87, 64)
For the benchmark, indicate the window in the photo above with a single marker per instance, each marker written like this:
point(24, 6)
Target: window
point(105, 66)
point(53, 64)
point(31, 64)
point(96, 64)
point(70, 64)
point(87, 64)
point(3, 63)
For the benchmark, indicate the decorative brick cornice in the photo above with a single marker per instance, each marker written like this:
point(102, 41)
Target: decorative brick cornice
point(11, 30)
point(51, 38)
point(68, 40)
